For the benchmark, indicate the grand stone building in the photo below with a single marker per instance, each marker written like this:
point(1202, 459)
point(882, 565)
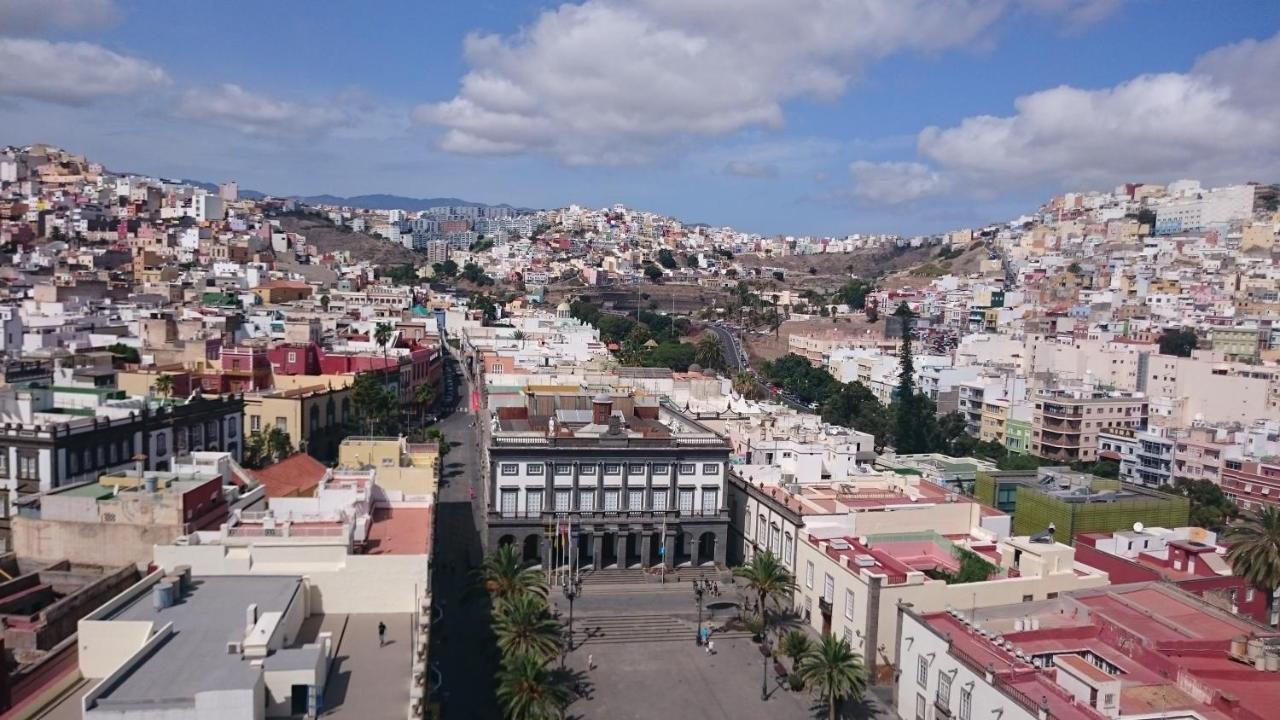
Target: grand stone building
point(606, 480)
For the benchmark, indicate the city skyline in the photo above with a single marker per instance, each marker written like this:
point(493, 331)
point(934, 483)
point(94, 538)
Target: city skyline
point(761, 122)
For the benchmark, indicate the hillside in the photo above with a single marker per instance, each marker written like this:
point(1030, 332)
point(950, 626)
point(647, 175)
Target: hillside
point(328, 238)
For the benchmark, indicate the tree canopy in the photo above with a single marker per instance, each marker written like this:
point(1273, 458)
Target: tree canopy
point(1178, 341)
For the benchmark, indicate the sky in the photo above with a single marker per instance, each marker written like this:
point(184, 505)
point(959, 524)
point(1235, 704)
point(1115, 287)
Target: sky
point(773, 116)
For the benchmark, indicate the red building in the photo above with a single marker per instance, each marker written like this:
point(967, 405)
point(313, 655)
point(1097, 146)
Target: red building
point(1252, 484)
point(1187, 557)
point(416, 363)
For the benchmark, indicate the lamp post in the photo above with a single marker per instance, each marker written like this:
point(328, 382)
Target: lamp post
point(571, 588)
point(765, 652)
point(699, 588)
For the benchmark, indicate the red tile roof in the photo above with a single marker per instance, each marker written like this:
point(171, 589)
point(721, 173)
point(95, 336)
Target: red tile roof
point(298, 474)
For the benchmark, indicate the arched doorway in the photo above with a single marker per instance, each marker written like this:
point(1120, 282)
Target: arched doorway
point(684, 549)
point(532, 554)
point(706, 548)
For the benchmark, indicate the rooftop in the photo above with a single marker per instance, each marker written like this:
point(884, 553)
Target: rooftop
point(1156, 641)
point(194, 657)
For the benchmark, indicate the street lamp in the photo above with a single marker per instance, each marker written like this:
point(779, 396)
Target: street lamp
point(571, 588)
point(765, 652)
point(700, 587)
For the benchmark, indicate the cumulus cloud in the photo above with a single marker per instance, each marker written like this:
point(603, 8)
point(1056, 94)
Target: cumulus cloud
point(1219, 121)
point(891, 183)
point(607, 81)
point(745, 168)
point(232, 106)
point(30, 17)
point(71, 73)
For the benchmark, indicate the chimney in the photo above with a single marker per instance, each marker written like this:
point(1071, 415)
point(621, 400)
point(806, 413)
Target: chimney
point(601, 409)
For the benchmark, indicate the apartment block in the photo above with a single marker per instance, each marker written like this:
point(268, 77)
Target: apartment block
point(1066, 423)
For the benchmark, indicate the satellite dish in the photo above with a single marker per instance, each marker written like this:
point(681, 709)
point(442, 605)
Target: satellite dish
point(1137, 526)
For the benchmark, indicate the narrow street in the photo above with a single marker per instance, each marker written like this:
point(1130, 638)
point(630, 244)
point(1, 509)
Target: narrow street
point(462, 648)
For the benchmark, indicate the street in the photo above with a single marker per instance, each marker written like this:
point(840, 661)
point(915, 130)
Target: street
point(462, 647)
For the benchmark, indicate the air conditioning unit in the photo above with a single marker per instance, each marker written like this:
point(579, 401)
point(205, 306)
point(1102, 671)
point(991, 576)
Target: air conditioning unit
point(864, 561)
point(234, 647)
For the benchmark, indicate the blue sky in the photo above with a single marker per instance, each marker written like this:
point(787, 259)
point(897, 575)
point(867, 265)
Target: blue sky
point(801, 116)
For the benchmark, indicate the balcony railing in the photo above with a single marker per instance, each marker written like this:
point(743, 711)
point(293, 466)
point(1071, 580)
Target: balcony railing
point(608, 515)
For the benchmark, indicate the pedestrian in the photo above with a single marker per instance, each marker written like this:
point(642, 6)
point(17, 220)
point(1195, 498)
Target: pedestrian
point(591, 662)
point(711, 647)
point(382, 634)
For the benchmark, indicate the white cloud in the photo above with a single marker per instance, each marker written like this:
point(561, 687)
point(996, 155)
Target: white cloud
point(1220, 122)
point(232, 106)
point(29, 17)
point(606, 81)
point(891, 183)
point(71, 73)
point(746, 168)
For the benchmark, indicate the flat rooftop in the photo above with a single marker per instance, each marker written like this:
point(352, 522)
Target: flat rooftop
point(194, 658)
point(400, 531)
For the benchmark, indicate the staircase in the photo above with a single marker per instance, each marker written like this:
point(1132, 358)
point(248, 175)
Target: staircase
point(653, 628)
point(616, 577)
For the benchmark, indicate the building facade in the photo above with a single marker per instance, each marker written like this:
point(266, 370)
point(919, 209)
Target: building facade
point(621, 480)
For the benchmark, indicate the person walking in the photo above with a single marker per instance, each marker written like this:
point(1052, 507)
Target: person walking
point(711, 647)
point(591, 662)
point(382, 634)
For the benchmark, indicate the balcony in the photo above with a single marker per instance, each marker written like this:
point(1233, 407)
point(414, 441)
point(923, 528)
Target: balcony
point(1063, 411)
point(824, 606)
point(606, 516)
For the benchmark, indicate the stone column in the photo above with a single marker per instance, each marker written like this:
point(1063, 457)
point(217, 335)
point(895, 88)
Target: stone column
point(646, 546)
point(597, 550)
point(722, 545)
point(669, 543)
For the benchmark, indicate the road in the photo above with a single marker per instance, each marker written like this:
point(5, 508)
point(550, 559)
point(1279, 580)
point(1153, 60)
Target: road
point(462, 646)
point(737, 361)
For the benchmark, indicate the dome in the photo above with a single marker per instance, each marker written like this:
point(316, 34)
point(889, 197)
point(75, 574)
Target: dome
point(695, 368)
point(563, 307)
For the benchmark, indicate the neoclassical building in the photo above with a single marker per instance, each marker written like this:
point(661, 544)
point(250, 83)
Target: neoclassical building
point(606, 480)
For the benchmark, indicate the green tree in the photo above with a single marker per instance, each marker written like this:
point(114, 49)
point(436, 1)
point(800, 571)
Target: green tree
point(854, 293)
point(486, 305)
point(324, 303)
point(911, 422)
point(523, 626)
point(382, 333)
point(255, 450)
point(691, 260)
point(124, 353)
point(278, 444)
point(666, 259)
point(835, 672)
point(446, 269)
point(374, 405)
point(530, 689)
point(1178, 341)
point(708, 352)
point(1210, 508)
point(1255, 550)
point(1014, 461)
point(163, 386)
point(504, 576)
point(769, 579)
point(653, 272)
point(794, 646)
point(744, 383)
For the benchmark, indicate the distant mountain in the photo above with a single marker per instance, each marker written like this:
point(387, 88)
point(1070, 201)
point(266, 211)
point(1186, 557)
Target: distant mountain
point(391, 202)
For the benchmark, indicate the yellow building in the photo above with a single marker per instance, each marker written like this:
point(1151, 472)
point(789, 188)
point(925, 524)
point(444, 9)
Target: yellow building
point(995, 418)
point(405, 471)
point(315, 416)
point(1260, 236)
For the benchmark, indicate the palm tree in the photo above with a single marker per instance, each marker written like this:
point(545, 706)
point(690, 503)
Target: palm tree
point(382, 336)
point(255, 450)
point(769, 579)
point(524, 626)
point(518, 335)
point(278, 444)
point(708, 352)
point(1255, 550)
point(835, 671)
point(504, 576)
point(164, 385)
point(528, 689)
point(745, 385)
point(795, 645)
point(424, 395)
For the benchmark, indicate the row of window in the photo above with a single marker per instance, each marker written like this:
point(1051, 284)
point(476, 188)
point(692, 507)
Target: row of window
point(609, 469)
point(771, 536)
point(655, 500)
point(942, 698)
